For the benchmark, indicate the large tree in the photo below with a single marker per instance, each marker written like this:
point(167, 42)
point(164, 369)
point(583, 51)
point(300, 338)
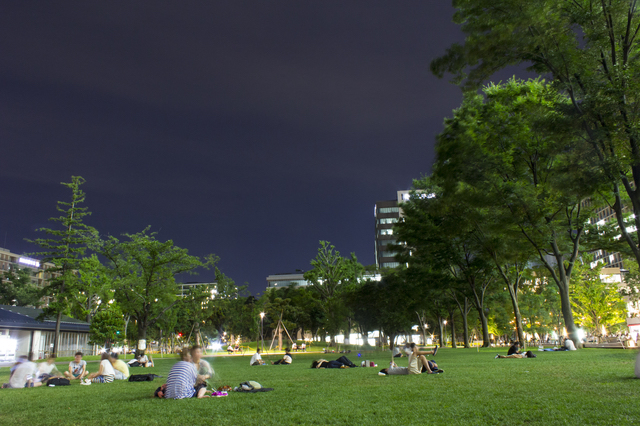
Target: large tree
point(590, 50)
point(64, 248)
point(511, 151)
point(331, 274)
point(143, 270)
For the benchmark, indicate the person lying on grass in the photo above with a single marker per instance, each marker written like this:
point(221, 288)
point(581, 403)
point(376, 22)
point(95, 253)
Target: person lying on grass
point(77, 368)
point(417, 362)
point(120, 368)
point(286, 359)
point(256, 359)
point(105, 373)
point(203, 367)
point(529, 354)
point(342, 362)
point(181, 382)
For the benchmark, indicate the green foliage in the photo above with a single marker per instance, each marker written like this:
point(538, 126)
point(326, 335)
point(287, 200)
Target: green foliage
point(107, 327)
point(97, 290)
point(64, 248)
point(596, 302)
point(590, 51)
point(143, 271)
point(18, 289)
point(331, 275)
point(512, 152)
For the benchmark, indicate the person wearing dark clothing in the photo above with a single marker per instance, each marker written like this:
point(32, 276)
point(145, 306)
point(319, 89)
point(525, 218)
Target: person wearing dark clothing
point(514, 349)
point(342, 362)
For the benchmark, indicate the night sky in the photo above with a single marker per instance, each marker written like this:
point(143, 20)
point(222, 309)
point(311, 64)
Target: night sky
point(251, 130)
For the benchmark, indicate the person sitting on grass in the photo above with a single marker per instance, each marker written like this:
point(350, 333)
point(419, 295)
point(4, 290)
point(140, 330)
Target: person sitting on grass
point(120, 368)
point(181, 382)
point(47, 370)
point(417, 362)
point(204, 368)
point(105, 373)
point(145, 360)
point(285, 360)
point(77, 368)
point(513, 352)
point(256, 359)
point(23, 375)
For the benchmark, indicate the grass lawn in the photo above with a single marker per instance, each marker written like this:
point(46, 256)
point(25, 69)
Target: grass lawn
point(591, 386)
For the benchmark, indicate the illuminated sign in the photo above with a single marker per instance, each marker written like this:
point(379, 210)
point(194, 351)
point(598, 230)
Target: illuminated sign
point(29, 262)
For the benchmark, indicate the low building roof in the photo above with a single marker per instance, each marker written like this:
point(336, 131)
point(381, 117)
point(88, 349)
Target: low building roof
point(21, 317)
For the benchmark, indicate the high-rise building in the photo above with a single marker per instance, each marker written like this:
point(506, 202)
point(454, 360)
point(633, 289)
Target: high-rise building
point(39, 273)
point(387, 213)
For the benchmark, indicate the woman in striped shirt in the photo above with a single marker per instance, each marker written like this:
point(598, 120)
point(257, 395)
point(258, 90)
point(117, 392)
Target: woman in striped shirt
point(181, 382)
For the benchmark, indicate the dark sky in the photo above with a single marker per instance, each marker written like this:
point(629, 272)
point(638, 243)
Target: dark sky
point(248, 129)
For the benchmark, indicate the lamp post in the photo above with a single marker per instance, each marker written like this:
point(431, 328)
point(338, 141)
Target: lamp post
point(445, 333)
point(262, 329)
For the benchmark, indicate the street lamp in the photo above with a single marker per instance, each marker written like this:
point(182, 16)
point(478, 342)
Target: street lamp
point(445, 333)
point(262, 329)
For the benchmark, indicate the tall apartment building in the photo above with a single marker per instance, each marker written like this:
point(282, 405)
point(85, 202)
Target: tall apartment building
point(38, 269)
point(387, 213)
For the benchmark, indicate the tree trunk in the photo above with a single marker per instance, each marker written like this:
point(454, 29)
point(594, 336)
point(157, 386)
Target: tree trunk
point(485, 328)
point(516, 312)
point(142, 335)
point(441, 337)
point(465, 323)
point(453, 330)
point(392, 340)
point(567, 313)
point(56, 336)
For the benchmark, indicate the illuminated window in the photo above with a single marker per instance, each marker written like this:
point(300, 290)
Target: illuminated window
point(386, 232)
point(389, 210)
point(390, 264)
point(387, 220)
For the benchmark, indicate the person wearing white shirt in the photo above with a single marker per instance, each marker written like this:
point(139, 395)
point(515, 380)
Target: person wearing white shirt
point(23, 375)
point(286, 359)
point(256, 359)
point(105, 374)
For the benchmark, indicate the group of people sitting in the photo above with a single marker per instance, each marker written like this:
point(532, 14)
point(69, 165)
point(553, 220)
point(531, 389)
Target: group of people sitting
point(25, 373)
point(256, 359)
point(302, 347)
point(188, 377)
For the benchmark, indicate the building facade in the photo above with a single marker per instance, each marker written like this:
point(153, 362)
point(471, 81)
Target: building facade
point(387, 214)
point(21, 333)
point(38, 269)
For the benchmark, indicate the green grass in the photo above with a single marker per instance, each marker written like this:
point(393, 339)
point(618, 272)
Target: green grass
point(587, 387)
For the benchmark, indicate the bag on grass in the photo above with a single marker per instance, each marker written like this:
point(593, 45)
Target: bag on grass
point(529, 354)
point(142, 377)
point(58, 381)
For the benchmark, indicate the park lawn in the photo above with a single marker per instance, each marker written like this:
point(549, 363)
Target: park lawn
point(591, 386)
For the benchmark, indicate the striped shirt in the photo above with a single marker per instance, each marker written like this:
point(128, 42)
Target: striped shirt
point(181, 380)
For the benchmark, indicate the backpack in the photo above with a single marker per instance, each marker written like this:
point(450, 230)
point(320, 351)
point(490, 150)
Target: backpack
point(142, 377)
point(58, 381)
